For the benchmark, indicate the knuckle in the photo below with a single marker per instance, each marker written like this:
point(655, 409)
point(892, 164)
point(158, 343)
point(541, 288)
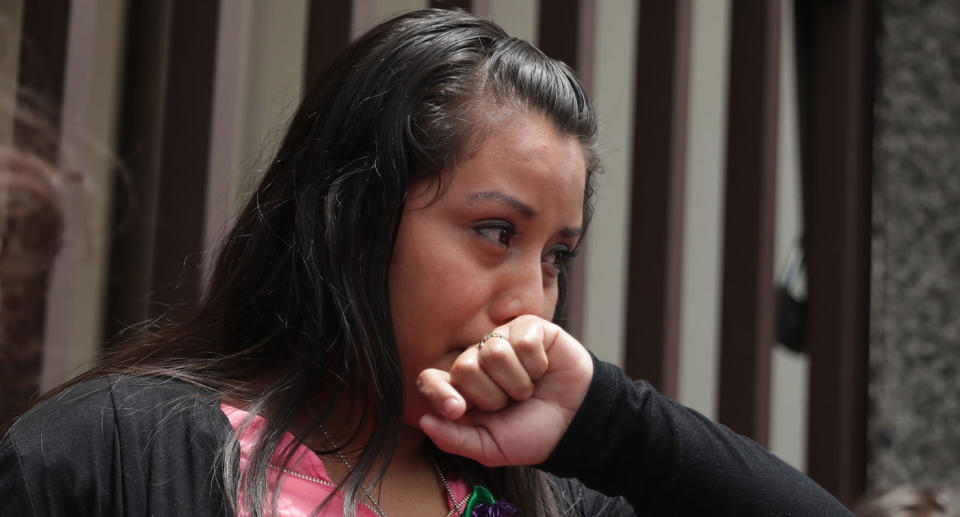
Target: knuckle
point(499, 350)
point(428, 379)
point(496, 352)
point(463, 367)
point(527, 344)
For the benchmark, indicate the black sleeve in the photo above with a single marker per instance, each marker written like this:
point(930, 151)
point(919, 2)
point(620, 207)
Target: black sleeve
point(15, 491)
point(575, 500)
point(49, 455)
point(115, 446)
point(628, 440)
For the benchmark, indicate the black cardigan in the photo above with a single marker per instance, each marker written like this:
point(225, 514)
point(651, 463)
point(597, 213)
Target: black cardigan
point(122, 445)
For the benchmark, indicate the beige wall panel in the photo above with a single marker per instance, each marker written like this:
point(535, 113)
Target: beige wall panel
point(362, 15)
point(519, 18)
point(789, 371)
point(274, 78)
point(100, 163)
point(367, 13)
point(92, 78)
point(703, 206)
point(229, 122)
point(605, 275)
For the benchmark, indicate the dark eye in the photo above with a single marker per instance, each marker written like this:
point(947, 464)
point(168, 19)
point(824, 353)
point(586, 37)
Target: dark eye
point(500, 232)
point(557, 258)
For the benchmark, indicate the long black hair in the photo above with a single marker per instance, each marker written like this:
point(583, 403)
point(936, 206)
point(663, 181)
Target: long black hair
point(298, 297)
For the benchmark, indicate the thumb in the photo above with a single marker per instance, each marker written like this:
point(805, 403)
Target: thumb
point(461, 439)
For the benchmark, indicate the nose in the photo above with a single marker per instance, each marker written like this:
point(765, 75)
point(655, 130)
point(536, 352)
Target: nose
point(521, 290)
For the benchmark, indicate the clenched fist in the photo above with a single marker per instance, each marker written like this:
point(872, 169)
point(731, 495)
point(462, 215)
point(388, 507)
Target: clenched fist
point(509, 400)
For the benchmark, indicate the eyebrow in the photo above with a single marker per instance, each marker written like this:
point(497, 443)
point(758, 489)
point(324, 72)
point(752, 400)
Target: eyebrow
point(524, 209)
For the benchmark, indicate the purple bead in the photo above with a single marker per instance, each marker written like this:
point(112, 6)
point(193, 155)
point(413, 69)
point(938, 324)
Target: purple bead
point(498, 509)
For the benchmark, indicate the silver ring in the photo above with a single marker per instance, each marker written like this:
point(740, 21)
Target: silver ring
point(486, 337)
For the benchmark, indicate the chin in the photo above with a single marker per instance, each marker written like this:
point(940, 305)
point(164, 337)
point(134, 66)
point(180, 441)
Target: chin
point(413, 411)
point(412, 419)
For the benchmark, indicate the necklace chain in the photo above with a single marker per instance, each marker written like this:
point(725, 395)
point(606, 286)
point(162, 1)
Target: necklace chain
point(446, 486)
point(366, 490)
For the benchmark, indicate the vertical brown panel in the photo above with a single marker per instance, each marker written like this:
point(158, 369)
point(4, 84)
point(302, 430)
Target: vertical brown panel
point(466, 5)
point(566, 34)
point(184, 162)
point(166, 135)
point(838, 241)
point(328, 33)
point(43, 55)
point(747, 319)
point(656, 216)
point(139, 148)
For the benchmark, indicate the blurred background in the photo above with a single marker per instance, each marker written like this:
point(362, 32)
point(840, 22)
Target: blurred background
point(775, 239)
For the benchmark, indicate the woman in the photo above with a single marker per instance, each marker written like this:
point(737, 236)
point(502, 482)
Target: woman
point(383, 297)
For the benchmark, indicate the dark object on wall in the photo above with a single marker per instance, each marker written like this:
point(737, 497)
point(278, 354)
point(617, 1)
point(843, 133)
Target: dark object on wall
point(792, 304)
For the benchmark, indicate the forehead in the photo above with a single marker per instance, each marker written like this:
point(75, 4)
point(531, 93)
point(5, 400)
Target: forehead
point(525, 150)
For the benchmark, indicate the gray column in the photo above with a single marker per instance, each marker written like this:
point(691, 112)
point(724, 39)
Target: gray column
point(914, 422)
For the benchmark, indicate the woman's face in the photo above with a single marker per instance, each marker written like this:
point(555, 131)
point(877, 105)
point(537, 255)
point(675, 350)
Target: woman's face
point(488, 250)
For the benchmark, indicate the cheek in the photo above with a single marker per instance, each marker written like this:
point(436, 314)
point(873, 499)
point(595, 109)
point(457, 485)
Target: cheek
point(550, 298)
point(434, 291)
point(426, 279)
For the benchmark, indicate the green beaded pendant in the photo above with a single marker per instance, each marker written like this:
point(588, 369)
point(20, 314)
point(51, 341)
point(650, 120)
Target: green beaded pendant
point(480, 495)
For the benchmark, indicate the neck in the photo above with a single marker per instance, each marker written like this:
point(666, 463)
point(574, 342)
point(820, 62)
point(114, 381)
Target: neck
point(407, 456)
point(411, 443)
point(410, 485)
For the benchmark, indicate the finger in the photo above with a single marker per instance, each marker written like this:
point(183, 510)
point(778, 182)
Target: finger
point(473, 383)
point(500, 362)
point(468, 441)
point(435, 386)
point(526, 334)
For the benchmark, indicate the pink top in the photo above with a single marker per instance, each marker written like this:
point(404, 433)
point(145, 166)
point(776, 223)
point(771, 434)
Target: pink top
point(305, 483)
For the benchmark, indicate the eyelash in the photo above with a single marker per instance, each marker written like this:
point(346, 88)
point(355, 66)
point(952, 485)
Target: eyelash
point(563, 257)
point(507, 232)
